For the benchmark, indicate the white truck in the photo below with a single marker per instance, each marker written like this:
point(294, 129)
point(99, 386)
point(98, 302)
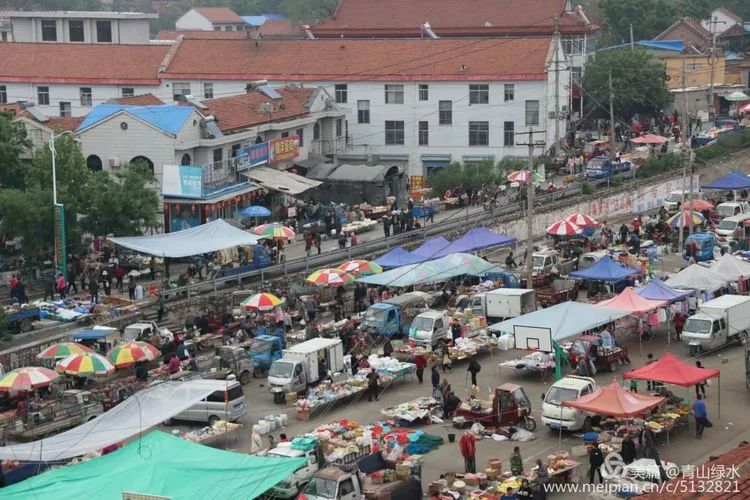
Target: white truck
point(430, 329)
point(301, 365)
point(555, 415)
point(732, 208)
point(717, 323)
point(144, 330)
point(504, 303)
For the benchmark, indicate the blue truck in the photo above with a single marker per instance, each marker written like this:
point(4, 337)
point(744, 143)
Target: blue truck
point(23, 319)
point(601, 167)
point(393, 317)
point(264, 350)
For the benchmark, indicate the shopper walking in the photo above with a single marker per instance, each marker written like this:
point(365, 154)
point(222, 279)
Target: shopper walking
point(596, 460)
point(467, 445)
point(474, 368)
point(61, 285)
point(435, 377)
point(372, 384)
point(131, 287)
point(516, 462)
point(700, 387)
point(542, 478)
point(701, 416)
point(420, 362)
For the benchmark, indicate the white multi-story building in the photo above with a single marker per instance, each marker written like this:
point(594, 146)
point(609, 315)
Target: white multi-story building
point(211, 19)
point(75, 27)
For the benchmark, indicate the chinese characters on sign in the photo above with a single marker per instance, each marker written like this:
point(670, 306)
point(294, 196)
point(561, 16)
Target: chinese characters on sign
point(416, 183)
point(252, 156)
point(285, 148)
point(61, 256)
point(191, 181)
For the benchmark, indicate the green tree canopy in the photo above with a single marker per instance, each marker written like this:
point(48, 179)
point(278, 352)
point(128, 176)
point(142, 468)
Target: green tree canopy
point(637, 81)
point(310, 10)
point(13, 143)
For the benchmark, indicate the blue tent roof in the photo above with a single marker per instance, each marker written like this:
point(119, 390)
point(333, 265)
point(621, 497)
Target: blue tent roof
point(476, 239)
point(671, 45)
point(733, 180)
point(94, 334)
point(397, 257)
point(606, 270)
point(166, 117)
point(565, 320)
point(430, 248)
point(658, 290)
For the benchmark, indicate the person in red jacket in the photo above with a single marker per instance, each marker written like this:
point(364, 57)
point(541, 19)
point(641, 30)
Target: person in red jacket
point(467, 445)
point(420, 363)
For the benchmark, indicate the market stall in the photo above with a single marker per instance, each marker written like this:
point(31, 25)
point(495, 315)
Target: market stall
point(629, 301)
point(734, 269)
point(535, 362)
point(703, 280)
point(608, 271)
point(420, 411)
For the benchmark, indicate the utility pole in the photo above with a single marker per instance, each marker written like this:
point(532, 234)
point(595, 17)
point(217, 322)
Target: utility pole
point(556, 41)
point(530, 202)
point(681, 229)
point(632, 42)
point(712, 63)
point(612, 152)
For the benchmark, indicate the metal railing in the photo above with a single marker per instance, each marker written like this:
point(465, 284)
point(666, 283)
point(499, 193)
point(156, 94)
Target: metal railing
point(220, 174)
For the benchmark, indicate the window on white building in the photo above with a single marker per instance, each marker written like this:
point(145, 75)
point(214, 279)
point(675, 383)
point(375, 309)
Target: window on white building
point(86, 96)
point(316, 132)
point(75, 30)
point(363, 111)
point(509, 133)
point(284, 134)
point(218, 157)
point(479, 133)
point(576, 75)
point(104, 31)
point(424, 133)
point(235, 150)
point(208, 90)
point(180, 90)
point(42, 96)
point(301, 135)
point(65, 110)
point(394, 133)
point(49, 30)
point(479, 93)
point(510, 92)
point(339, 127)
point(3, 94)
point(394, 94)
point(573, 44)
point(532, 113)
point(445, 110)
point(128, 91)
point(424, 92)
point(341, 94)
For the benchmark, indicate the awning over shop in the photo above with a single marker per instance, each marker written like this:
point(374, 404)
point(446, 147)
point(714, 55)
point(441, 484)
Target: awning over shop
point(697, 277)
point(671, 370)
point(731, 268)
point(206, 238)
point(731, 181)
point(279, 180)
point(614, 401)
point(396, 258)
point(435, 160)
point(658, 290)
point(319, 171)
point(359, 173)
point(159, 464)
point(605, 270)
point(476, 239)
point(632, 303)
point(566, 319)
point(138, 413)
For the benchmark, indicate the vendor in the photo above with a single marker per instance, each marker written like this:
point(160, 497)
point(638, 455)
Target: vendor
point(141, 371)
point(452, 402)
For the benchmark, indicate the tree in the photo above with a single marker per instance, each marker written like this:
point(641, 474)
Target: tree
point(310, 10)
point(638, 81)
point(29, 215)
point(647, 17)
point(122, 207)
point(13, 143)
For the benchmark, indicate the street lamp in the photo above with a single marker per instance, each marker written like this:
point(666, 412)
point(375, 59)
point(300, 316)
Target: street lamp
point(61, 254)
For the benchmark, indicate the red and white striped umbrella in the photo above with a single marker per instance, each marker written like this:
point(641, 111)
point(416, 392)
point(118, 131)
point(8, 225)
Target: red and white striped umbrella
point(564, 228)
point(582, 220)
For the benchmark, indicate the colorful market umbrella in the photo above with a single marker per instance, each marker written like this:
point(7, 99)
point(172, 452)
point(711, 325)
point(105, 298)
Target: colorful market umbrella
point(330, 277)
point(129, 353)
point(737, 97)
point(85, 365)
point(27, 378)
point(698, 205)
point(274, 230)
point(682, 218)
point(63, 350)
point(360, 267)
point(524, 176)
point(582, 220)
point(261, 302)
point(564, 228)
point(255, 211)
point(649, 139)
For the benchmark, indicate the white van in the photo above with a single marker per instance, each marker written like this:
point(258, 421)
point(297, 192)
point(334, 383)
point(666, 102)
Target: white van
point(554, 414)
point(733, 227)
point(732, 208)
point(227, 402)
point(675, 198)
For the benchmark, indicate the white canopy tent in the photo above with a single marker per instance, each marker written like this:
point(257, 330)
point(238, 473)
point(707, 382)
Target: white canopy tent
point(697, 277)
point(138, 413)
point(210, 237)
point(731, 267)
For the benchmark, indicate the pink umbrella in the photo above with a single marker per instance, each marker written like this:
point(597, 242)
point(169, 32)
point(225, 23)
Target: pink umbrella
point(649, 139)
point(582, 220)
point(745, 108)
point(564, 228)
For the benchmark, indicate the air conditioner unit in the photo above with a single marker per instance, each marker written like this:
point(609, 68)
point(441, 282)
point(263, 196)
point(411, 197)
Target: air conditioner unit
point(114, 163)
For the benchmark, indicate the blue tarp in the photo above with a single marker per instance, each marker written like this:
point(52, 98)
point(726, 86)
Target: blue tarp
point(658, 290)
point(476, 239)
point(731, 181)
point(565, 320)
point(396, 258)
point(430, 248)
point(605, 270)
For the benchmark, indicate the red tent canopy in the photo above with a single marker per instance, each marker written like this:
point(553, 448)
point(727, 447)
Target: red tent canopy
point(649, 139)
point(671, 370)
point(631, 302)
point(612, 400)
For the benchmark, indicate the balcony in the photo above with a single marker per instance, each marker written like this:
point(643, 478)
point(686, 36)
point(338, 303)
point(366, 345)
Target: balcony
point(329, 147)
point(221, 175)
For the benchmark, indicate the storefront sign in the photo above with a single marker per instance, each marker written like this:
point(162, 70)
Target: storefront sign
point(182, 180)
point(252, 156)
point(283, 149)
point(61, 256)
point(416, 183)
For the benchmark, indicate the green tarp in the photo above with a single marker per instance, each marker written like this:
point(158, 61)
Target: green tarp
point(159, 464)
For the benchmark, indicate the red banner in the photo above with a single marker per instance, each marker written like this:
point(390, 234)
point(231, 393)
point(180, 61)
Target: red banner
point(283, 149)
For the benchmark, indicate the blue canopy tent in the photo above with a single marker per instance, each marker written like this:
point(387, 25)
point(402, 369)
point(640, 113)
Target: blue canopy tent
point(658, 290)
point(732, 181)
point(606, 270)
point(396, 258)
point(430, 248)
point(476, 239)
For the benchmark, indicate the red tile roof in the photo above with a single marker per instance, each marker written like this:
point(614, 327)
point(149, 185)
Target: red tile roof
point(139, 100)
point(683, 488)
point(275, 27)
point(349, 60)
point(367, 18)
point(219, 14)
point(76, 63)
point(58, 123)
point(694, 25)
point(242, 111)
point(13, 108)
point(201, 35)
